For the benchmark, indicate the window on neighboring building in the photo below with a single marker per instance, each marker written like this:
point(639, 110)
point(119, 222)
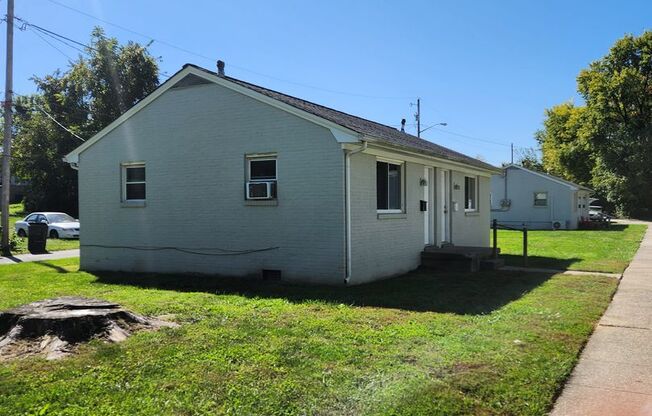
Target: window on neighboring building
point(261, 177)
point(541, 199)
point(470, 193)
point(134, 187)
point(389, 196)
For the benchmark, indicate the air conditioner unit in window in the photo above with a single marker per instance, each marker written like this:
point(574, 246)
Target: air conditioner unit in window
point(261, 190)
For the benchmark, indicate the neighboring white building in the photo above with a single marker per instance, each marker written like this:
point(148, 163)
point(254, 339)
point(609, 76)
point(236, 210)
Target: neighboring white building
point(214, 175)
point(521, 196)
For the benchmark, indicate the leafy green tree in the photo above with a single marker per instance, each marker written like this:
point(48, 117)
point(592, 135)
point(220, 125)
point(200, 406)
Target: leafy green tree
point(528, 157)
point(90, 94)
point(608, 142)
point(618, 94)
point(565, 143)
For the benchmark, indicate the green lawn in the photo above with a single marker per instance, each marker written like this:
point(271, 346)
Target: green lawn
point(17, 213)
point(422, 344)
point(608, 250)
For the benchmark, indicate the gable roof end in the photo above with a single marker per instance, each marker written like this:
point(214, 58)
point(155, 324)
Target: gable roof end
point(573, 186)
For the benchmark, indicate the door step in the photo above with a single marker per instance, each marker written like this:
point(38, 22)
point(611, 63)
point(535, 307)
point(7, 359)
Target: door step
point(459, 258)
point(492, 264)
point(450, 261)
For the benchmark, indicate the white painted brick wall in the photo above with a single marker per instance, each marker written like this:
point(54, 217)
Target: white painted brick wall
point(194, 142)
point(388, 247)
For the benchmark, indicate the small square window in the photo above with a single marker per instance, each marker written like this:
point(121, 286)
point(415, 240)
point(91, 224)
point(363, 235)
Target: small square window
point(134, 182)
point(541, 199)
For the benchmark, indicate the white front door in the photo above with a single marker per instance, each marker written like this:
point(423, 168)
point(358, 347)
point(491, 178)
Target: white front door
point(444, 206)
point(427, 214)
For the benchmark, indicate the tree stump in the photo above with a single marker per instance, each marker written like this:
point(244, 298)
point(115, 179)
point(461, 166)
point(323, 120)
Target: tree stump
point(54, 327)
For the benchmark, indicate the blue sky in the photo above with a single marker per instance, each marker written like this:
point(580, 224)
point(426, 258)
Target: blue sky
point(488, 69)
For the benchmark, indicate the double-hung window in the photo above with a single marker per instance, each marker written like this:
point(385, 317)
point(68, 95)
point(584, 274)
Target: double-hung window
point(261, 177)
point(541, 199)
point(133, 182)
point(470, 193)
point(389, 193)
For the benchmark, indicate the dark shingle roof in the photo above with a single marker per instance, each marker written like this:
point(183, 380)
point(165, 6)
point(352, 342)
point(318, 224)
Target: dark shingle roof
point(360, 125)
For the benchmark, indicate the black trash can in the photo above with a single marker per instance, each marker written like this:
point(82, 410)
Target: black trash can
point(36, 237)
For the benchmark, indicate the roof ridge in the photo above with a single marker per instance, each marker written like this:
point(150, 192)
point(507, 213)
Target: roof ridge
point(358, 124)
point(237, 80)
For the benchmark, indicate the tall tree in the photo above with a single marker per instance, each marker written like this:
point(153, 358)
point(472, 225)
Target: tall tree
point(611, 136)
point(90, 94)
point(565, 143)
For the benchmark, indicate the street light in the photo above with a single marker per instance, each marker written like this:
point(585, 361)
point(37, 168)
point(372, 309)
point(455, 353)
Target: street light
point(429, 127)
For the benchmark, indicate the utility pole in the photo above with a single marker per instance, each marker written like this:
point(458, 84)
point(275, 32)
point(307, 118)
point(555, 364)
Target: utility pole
point(6, 142)
point(418, 117)
point(512, 153)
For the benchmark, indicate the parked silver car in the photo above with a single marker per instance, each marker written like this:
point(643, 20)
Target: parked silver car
point(60, 225)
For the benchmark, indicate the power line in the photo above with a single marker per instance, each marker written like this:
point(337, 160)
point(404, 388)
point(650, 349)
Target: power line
point(48, 42)
point(57, 123)
point(61, 38)
point(456, 134)
point(212, 59)
point(50, 116)
point(62, 41)
point(471, 137)
point(51, 33)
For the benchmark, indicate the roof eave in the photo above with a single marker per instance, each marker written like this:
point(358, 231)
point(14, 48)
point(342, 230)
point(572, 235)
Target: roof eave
point(488, 168)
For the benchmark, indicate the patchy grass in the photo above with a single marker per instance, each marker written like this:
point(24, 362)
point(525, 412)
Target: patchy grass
point(445, 344)
point(17, 213)
point(608, 250)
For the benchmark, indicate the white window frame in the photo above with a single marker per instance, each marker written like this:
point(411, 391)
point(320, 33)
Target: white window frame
point(261, 158)
point(476, 192)
point(401, 165)
point(124, 167)
point(534, 199)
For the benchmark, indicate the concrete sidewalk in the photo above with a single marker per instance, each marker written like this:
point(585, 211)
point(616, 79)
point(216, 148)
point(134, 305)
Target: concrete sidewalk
point(54, 255)
point(614, 374)
point(557, 271)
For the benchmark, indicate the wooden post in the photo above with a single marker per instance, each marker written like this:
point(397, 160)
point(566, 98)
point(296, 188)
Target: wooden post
point(494, 225)
point(6, 142)
point(525, 246)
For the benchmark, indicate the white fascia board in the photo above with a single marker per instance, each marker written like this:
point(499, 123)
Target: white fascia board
point(340, 133)
point(389, 152)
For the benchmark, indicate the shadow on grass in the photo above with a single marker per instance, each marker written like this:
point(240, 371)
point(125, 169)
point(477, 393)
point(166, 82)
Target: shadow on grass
point(423, 291)
point(610, 227)
point(540, 261)
point(59, 269)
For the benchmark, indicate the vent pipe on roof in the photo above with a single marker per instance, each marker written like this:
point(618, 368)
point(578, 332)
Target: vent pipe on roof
point(220, 68)
point(402, 125)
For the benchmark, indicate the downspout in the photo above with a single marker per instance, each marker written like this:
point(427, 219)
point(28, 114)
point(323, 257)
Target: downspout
point(505, 192)
point(505, 197)
point(347, 168)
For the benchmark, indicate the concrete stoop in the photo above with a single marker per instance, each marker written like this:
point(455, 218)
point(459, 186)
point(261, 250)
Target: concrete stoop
point(459, 258)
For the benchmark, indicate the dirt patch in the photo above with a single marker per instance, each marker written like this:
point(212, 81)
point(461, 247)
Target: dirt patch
point(55, 327)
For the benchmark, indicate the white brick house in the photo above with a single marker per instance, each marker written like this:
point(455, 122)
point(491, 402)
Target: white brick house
point(213, 175)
